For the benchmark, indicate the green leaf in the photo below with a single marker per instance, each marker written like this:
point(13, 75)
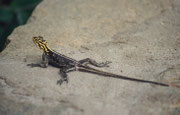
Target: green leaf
point(1, 32)
point(6, 15)
point(20, 3)
point(13, 15)
point(22, 16)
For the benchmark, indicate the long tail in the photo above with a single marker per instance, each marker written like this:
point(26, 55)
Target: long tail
point(106, 74)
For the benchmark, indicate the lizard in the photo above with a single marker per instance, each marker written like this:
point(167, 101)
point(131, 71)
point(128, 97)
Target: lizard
point(67, 64)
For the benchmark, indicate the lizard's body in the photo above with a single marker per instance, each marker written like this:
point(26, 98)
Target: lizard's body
point(67, 64)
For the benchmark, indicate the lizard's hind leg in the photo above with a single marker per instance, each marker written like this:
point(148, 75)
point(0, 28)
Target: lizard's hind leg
point(94, 63)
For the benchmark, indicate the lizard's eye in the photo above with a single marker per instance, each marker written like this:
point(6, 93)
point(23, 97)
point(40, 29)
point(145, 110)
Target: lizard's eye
point(39, 41)
point(41, 47)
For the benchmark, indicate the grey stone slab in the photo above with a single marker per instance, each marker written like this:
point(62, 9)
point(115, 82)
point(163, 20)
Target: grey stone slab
point(140, 37)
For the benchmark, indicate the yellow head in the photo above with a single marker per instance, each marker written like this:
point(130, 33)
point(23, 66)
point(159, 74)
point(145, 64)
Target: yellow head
point(41, 43)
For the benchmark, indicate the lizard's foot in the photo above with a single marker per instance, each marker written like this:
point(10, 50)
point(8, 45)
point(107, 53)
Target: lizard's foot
point(104, 64)
point(94, 63)
point(33, 65)
point(63, 76)
point(37, 65)
point(62, 80)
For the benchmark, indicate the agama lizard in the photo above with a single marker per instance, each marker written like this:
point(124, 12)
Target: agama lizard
point(67, 64)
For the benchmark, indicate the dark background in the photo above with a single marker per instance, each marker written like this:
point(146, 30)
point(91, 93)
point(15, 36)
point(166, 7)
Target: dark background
point(12, 14)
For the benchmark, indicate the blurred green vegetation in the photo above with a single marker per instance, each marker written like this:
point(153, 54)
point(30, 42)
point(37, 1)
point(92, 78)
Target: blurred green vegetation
point(12, 14)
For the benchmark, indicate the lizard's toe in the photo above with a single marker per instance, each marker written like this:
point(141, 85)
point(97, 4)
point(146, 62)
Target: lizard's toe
point(60, 81)
point(105, 64)
point(31, 65)
point(66, 80)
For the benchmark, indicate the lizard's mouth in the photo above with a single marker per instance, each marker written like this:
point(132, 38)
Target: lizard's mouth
point(36, 41)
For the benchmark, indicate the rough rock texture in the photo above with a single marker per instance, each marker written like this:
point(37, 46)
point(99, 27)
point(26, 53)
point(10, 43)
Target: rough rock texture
point(140, 37)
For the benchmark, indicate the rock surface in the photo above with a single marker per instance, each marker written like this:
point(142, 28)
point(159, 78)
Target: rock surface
point(140, 37)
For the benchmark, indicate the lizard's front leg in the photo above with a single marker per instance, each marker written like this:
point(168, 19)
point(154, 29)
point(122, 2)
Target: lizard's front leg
point(44, 63)
point(94, 63)
point(63, 73)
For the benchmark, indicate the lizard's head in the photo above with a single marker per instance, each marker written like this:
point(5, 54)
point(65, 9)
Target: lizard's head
point(41, 43)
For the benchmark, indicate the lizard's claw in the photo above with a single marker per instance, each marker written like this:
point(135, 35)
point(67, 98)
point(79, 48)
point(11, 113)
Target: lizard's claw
point(37, 65)
point(62, 80)
point(66, 80)
point(31, 65)
point(105, 64)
